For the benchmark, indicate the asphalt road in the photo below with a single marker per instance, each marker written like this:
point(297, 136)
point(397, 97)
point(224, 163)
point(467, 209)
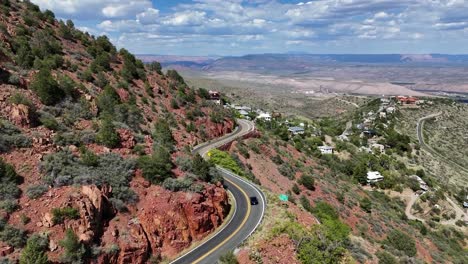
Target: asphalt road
point(246, 217)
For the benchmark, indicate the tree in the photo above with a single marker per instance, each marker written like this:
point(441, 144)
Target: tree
point(401, 241)
point(386, 258)
point(366, 204)
point(47, 88)
point(155, 67)
point(35, 250)
point(107, 134)
point(201, 168)
point(8, 173)
point(174, 75)
point(74, 250)
point(296, 189)
point(308, 182)
point(107, 100)
point(156, 167)
point(162, 135)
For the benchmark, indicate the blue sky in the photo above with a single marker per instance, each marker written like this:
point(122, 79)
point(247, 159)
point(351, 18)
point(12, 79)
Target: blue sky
point(237, 27)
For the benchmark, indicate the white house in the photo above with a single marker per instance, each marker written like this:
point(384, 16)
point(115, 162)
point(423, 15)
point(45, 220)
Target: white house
point(326, 149)
point(296, 130)
point(264, 116)
point(379, 147)
point(390, 110)
point(243, 112)
point(373, 177)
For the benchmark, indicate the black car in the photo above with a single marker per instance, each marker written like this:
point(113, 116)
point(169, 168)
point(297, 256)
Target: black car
point(253, 200)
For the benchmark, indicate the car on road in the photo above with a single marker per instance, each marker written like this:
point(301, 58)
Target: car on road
point(253, 200)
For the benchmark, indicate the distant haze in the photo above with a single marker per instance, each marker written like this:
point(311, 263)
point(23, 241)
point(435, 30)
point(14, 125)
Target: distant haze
point(411, 74)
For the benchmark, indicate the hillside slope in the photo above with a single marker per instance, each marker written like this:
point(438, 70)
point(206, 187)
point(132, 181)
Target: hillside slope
point(95, 160)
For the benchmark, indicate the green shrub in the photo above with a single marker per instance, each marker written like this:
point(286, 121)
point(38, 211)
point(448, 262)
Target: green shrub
point(49, 122)
point(308, 182)
point(174, 104)
point(366, 204)
point(155, 67)
point(74, 251)
point(402, 242)
point(386, 258)
point(24, 219)
point(156, 167)
point(9, 180)
point(162, 135)
point(287, 171)
point(107, 134)
point(228, 258)
point(226, 161)
point(11, 137)
point(295, 189)
point(47, 88)
point(184, 184)
point(35, 250)
point(9, 206)
point(12, 236)
point(175, 76)
point(107, 100)
point(60, 214)
point(19, 98)
point(88, 157)
point(63, 168)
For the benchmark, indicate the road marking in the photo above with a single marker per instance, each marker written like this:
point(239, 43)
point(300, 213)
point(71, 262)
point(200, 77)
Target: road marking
point(256, 189)
point(236, 231)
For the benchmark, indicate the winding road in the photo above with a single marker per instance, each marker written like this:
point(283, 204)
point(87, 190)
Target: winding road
point(246, 217)
point(460, 214)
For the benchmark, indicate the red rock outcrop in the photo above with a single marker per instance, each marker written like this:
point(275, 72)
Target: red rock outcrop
point(166, 222)
point(123, 94)
point(127, 140)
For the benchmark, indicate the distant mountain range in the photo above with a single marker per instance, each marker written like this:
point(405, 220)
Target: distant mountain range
point(298, 62)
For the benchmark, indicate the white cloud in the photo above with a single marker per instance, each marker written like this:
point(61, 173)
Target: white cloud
point(95, 9)
point(148, 17)
point(186, 18)
point(272, 24)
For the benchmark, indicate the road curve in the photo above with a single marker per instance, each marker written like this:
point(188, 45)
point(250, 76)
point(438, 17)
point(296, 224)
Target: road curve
point(245, 219)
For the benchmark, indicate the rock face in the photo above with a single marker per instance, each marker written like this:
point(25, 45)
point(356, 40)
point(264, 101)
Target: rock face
point(21, 115)
point(127, 140)
point(94, 209)
point(166, 223)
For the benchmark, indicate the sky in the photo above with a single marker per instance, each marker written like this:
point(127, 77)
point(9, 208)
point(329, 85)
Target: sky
point(238, 27)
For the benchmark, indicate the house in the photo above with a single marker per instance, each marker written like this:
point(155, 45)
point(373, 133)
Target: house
point(325, 150)
point(365, 149)
point(244, 113)
point(215, 96)
point(383, 115)
point(296, 130)
point(379, 147)
point(241, 107)
point(390, 110)
point(264, 117)
point(422, 184)
point(465, 204)
point(407, 100)
point(374, 177)
point(385, 101)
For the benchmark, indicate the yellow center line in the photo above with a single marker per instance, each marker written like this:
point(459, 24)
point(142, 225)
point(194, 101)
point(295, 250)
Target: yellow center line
point(235, 232)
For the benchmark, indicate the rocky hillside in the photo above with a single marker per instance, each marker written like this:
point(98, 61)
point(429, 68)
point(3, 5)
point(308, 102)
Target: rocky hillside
point(95, 162)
